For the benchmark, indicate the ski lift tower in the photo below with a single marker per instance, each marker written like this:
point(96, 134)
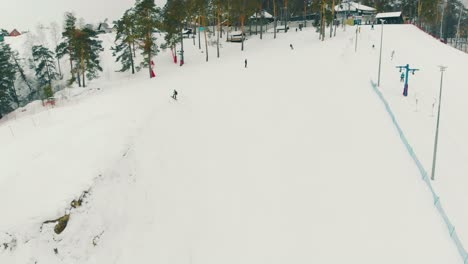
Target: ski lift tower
point(408, 70)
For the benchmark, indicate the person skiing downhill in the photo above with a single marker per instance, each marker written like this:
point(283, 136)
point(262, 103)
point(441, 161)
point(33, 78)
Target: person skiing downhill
point(245, 63)
point(402, 77)
point(291, 46)
point(174, 95)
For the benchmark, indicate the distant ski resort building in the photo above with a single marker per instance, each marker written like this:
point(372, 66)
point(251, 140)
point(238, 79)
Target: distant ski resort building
point(236, 36)
point(15, 33)
point(263, 15)
point(390, 17)
point(104, 27)
point(187, 32)
point(355, 13)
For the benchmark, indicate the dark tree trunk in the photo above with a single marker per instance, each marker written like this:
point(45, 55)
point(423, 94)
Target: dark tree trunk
point(59, 68)
point(23, 76)
point(84, 78)
point(199, 32)
point(182, 61)
point(78, 77)
point(131, 57)
point(206, 39)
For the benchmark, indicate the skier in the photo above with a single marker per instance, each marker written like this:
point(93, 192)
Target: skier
point(393, 54)
point(291, 46)
point(174, 95)
point(372, 26)
point(402, 77)
point(245, 63)
point(373, 46)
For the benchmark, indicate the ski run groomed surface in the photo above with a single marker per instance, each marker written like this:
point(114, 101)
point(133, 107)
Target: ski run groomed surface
point(291, 160)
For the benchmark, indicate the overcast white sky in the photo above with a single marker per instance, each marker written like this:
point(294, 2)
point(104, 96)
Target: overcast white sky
point(26, 14)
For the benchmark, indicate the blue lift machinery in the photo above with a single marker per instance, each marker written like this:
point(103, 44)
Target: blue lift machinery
point(408, 70)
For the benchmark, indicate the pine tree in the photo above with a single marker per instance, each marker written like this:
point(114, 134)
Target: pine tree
point(45, 69)
point(8, 95)
point(67, 46)
point(56, 37)
point(173, 17)
point(83, 47)
point(125, 39)
point(87, 48)
point(18, 65)
point(147, 21)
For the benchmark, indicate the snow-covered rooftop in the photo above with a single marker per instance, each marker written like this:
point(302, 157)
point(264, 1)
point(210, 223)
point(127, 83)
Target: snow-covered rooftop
point(235, 33)
point(387, 15)
point(353, 6)
point(265, 15)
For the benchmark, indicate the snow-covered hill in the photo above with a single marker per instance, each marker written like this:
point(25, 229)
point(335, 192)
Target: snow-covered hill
point(293, 159)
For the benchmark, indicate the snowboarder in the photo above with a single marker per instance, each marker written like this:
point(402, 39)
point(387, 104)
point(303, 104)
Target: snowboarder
point(174, 95)
point(402, 77)
point(291, 46)
point(245, 63)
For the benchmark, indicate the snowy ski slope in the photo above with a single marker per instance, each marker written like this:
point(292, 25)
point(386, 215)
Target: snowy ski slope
point(293, 159)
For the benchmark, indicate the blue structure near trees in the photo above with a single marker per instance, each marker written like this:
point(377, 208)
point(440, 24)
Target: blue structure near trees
point(408, 70)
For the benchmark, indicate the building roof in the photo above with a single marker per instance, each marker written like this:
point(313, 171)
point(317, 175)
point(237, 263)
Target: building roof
point(236, 33)
point(103, 25)
point(259, 15)
point(353, 7)
point(15, 33)
point(388, 15)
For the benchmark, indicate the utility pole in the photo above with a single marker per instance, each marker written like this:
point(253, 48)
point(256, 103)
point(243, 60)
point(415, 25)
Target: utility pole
point(442, 69)
point(380, 57)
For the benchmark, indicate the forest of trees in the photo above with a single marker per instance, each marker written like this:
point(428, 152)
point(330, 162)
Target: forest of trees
point(136, 44)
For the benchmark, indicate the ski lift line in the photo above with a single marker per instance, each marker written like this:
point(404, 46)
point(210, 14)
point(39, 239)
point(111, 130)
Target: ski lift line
point(436, 199)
